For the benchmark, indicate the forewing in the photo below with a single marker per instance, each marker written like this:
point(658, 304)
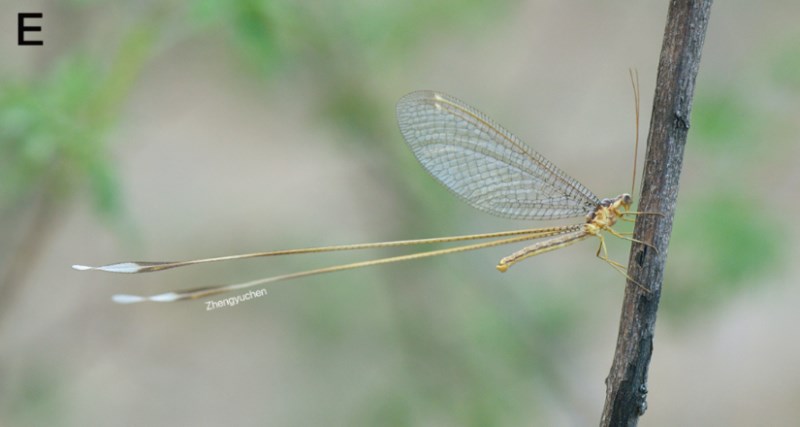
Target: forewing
point(484, 164)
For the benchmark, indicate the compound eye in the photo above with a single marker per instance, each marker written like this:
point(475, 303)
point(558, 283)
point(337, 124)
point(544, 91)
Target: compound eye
point(627, 199)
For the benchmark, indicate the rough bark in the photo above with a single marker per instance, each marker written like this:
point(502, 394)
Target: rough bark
point(626, 385)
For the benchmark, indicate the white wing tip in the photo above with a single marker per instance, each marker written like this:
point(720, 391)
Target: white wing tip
point(130, 299)
point(167, 297)
point(122, 267)
point(127, 299)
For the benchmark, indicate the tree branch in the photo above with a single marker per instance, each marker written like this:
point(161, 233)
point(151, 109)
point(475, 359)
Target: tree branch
point(626, 385)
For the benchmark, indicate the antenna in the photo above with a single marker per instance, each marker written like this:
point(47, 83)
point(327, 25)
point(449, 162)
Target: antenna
point(634, 73)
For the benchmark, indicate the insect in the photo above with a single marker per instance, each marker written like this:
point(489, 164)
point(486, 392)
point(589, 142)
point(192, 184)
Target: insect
point(484, 165)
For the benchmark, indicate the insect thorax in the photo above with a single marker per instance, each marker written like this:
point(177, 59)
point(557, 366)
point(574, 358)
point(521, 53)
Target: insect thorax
point(606, 213)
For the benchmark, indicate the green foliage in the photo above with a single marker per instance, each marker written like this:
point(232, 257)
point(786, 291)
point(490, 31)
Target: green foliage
point(724, 240)
point(53, 129)
point(278, 33)
point(723, 121)
point(723, 243)
point(260, 30)
point(43, 127)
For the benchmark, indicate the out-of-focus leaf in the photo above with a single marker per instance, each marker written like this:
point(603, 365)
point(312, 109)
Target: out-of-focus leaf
point(724, 245)
point(722, 121)
point(53, 129)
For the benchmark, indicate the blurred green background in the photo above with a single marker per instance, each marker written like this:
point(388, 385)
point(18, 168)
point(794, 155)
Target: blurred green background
point(173, 130)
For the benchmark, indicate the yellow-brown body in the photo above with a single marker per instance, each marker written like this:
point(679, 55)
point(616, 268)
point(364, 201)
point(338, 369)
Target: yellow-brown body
point(605, 215)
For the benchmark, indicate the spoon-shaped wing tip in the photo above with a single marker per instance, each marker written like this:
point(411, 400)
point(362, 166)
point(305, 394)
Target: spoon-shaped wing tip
point(127, 299)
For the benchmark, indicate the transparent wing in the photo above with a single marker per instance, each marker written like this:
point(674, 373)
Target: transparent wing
point(484, 164)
